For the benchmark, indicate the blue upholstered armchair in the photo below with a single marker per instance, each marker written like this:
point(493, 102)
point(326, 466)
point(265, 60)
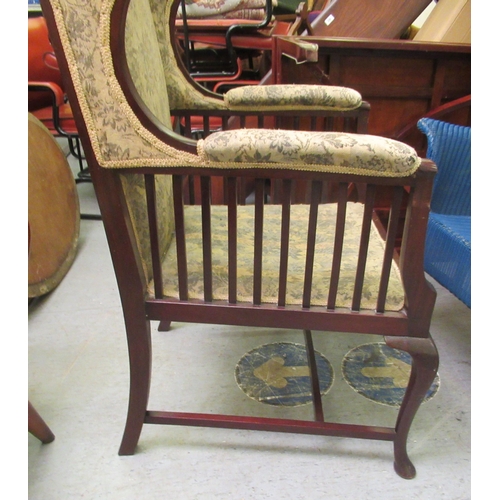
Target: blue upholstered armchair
point(448, 245)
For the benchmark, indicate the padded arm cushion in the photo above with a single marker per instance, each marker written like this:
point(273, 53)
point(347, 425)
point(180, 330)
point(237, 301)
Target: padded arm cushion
point(334, 152)
point(292, 97)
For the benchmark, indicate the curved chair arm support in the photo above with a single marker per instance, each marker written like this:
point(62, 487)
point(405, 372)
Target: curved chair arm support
point(445, 109)
point(437, 114)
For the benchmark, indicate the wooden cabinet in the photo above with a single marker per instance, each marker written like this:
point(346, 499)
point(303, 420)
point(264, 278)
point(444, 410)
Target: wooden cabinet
point(367, 18)
point(402, 80)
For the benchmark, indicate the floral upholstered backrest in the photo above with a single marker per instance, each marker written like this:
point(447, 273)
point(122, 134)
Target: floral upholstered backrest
point(117, 136)
point(146, 69)
point(144, 60)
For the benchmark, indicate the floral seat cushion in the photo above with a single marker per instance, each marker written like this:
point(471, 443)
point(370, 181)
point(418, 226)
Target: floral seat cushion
point(293, 97)
point(271, 256)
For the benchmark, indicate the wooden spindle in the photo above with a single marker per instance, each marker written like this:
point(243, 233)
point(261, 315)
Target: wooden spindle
point(390, 243)
point(285, 239)
point(187, 127)
point(311, 242)
point(363, 247)
point(206, 231)
point(180, 236)
point(150, 185)
point(338, 244)
point(206, 126)
point(232, 186)
point(258, 235)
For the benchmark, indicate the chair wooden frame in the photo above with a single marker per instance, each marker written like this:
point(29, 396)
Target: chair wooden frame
point(406, 329)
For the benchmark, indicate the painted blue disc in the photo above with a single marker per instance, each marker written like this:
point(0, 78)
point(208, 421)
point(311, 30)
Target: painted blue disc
point(380, 373)
point(278, 374)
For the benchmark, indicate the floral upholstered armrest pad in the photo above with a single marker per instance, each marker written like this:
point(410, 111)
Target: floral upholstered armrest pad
point(293, 97)
point(334, 152)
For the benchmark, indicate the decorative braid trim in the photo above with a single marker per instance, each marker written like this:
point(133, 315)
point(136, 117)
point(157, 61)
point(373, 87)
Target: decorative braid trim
point(174, 156)
point(75, 77)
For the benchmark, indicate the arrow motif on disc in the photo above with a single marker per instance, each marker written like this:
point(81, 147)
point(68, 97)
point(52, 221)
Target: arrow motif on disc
point(274, 372)
point(396, 369)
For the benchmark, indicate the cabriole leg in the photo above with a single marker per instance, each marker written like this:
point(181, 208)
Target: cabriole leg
point(425, 361)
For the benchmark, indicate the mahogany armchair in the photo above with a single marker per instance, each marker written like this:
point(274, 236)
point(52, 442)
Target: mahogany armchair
point(309, 266)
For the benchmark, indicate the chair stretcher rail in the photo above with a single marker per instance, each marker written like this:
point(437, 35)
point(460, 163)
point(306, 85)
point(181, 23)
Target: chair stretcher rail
point(270, 424)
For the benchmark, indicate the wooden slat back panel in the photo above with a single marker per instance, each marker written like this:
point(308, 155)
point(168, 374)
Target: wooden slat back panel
point(285, 187)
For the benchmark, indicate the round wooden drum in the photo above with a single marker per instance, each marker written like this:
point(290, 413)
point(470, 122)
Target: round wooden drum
point(53, 211)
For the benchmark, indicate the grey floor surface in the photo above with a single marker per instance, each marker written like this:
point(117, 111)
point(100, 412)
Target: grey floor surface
point(78, 381)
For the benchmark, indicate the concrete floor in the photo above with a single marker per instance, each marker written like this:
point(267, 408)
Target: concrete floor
point(78, 381)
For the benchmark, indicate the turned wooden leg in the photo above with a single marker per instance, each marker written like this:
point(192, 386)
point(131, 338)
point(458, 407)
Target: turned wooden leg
point(139, 346)
point(38, 427)
point(425, 361)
